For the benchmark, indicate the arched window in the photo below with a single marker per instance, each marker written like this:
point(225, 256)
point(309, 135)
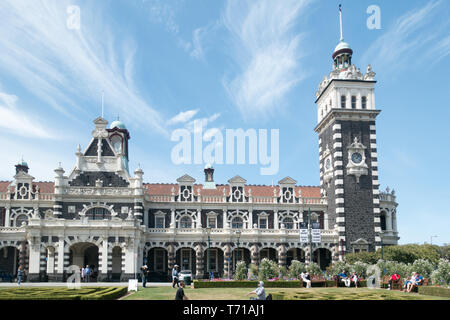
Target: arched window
point(237, 223)
point(185, 222)
point(383, 221)
point(288, 223)
point(364, 102)
point(98, 213)
point(21, 218)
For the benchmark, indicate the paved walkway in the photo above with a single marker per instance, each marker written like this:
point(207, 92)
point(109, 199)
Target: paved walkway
point(83, 284)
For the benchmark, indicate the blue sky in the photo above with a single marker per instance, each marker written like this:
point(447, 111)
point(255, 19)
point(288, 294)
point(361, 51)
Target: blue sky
point(229, 64)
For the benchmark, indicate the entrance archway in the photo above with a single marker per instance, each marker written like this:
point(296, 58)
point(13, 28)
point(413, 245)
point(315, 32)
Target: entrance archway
point(185, 258)
point(240, 254)
point(157, 262)
point(116, 263)
point(9, 260)
point(295, 254)
point(269, 253)
point(322, 257)
point(83, 254)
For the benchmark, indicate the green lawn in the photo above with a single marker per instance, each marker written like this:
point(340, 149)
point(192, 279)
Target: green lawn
point(168, 293)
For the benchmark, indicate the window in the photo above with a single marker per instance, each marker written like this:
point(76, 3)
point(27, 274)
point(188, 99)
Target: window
point(185, 259)
point(185, 222)
point(71, 209)
point(237, 223)
point(98, 213)
point(364, 102)
point(186, 193)
point(21, 218)
point(212, 262)
point(159, 259)
point(383, 222)
point(124, 209)
point(353, 102)
point(159, 222)
point(343, 102)
point(263, 223)
point(288, 223)
point(212, 222)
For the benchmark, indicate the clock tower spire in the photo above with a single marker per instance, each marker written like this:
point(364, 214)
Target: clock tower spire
point(346, 114)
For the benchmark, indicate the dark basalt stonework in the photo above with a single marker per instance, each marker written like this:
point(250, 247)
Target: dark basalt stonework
point(106, 149)
point(358, 197)
point(109, 179)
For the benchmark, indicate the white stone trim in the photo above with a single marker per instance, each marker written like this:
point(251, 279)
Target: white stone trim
point(337, 136)
point(336, 126)
point(340, 200)
point(338, 181)
point(340, 210)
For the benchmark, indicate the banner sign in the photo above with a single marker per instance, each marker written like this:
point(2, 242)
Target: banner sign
point(315, 232)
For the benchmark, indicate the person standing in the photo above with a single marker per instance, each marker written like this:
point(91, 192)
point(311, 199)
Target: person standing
point(175, 276)
point(87, 273)
point(20, 273)
point(144, 274)
point(180, 295)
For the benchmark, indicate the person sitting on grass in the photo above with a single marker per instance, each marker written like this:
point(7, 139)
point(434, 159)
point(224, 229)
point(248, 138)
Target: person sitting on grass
point(180, 295)
point(395, 278)
point(344, 278)
point(260, 292)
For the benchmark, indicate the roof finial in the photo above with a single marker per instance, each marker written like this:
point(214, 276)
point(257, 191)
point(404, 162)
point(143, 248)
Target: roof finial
point(340, 21)
point(103, 94)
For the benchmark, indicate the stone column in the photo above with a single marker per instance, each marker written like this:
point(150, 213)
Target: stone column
point(225, 226)
point(250, 219)
point(389, 221)
point(226, 263)
point(282, 255)
point(275, 219)
point(199, 261)
point(7, 219)
point(254, 254)
point(170, 258)
point(103, 261)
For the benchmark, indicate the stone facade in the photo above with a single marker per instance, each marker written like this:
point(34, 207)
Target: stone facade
point(102, 216)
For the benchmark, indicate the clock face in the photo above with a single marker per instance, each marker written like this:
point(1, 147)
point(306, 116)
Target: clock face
point(327, 164)
point(356, 157)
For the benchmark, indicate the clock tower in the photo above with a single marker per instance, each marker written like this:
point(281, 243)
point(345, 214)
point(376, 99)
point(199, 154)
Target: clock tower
point(346, 114)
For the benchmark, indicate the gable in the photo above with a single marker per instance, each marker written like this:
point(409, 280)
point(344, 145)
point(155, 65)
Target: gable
point(106, 149)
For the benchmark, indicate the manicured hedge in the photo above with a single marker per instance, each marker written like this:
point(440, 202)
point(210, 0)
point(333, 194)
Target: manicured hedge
point(246, 284)
point(434, 291)
point(62, 293)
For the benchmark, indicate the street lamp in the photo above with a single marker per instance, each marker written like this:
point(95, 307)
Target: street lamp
point(238, 234)
point(208, 231)
point(309, 236)
point(431, 238)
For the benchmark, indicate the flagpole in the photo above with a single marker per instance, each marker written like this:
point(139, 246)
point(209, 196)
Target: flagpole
point(340, 21)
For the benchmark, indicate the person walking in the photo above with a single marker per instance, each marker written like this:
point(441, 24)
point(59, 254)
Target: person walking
point(144, 274)
point(20, 273)
point(175, 277)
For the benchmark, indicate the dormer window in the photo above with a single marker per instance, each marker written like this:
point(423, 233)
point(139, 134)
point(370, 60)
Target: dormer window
point(237, 194)
point(288, 195)
point(186, 193)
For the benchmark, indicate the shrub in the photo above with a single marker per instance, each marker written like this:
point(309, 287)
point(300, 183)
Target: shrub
point(283, 271)
point(363, 256)
point(423, 267)
point(360, 268)
point(267, 269)
point(252, 272)
point(314, 269)
point(441, 275)
point(241, 271)
point(434, 291)
point(246, 284)
point(411, 252)
point(296, 268)
point(337, 267)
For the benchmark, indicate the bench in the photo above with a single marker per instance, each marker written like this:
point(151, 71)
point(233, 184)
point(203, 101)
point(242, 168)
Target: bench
point(318, 279)
point(415, 287)
point(339, 283)
point(395, 284)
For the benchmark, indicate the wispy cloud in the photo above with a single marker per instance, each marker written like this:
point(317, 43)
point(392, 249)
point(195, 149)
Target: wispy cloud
point(19, 122)
point(183, 117)
point(416, 37)
point(267, 53)
point(61, 65)
point(163, 12)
